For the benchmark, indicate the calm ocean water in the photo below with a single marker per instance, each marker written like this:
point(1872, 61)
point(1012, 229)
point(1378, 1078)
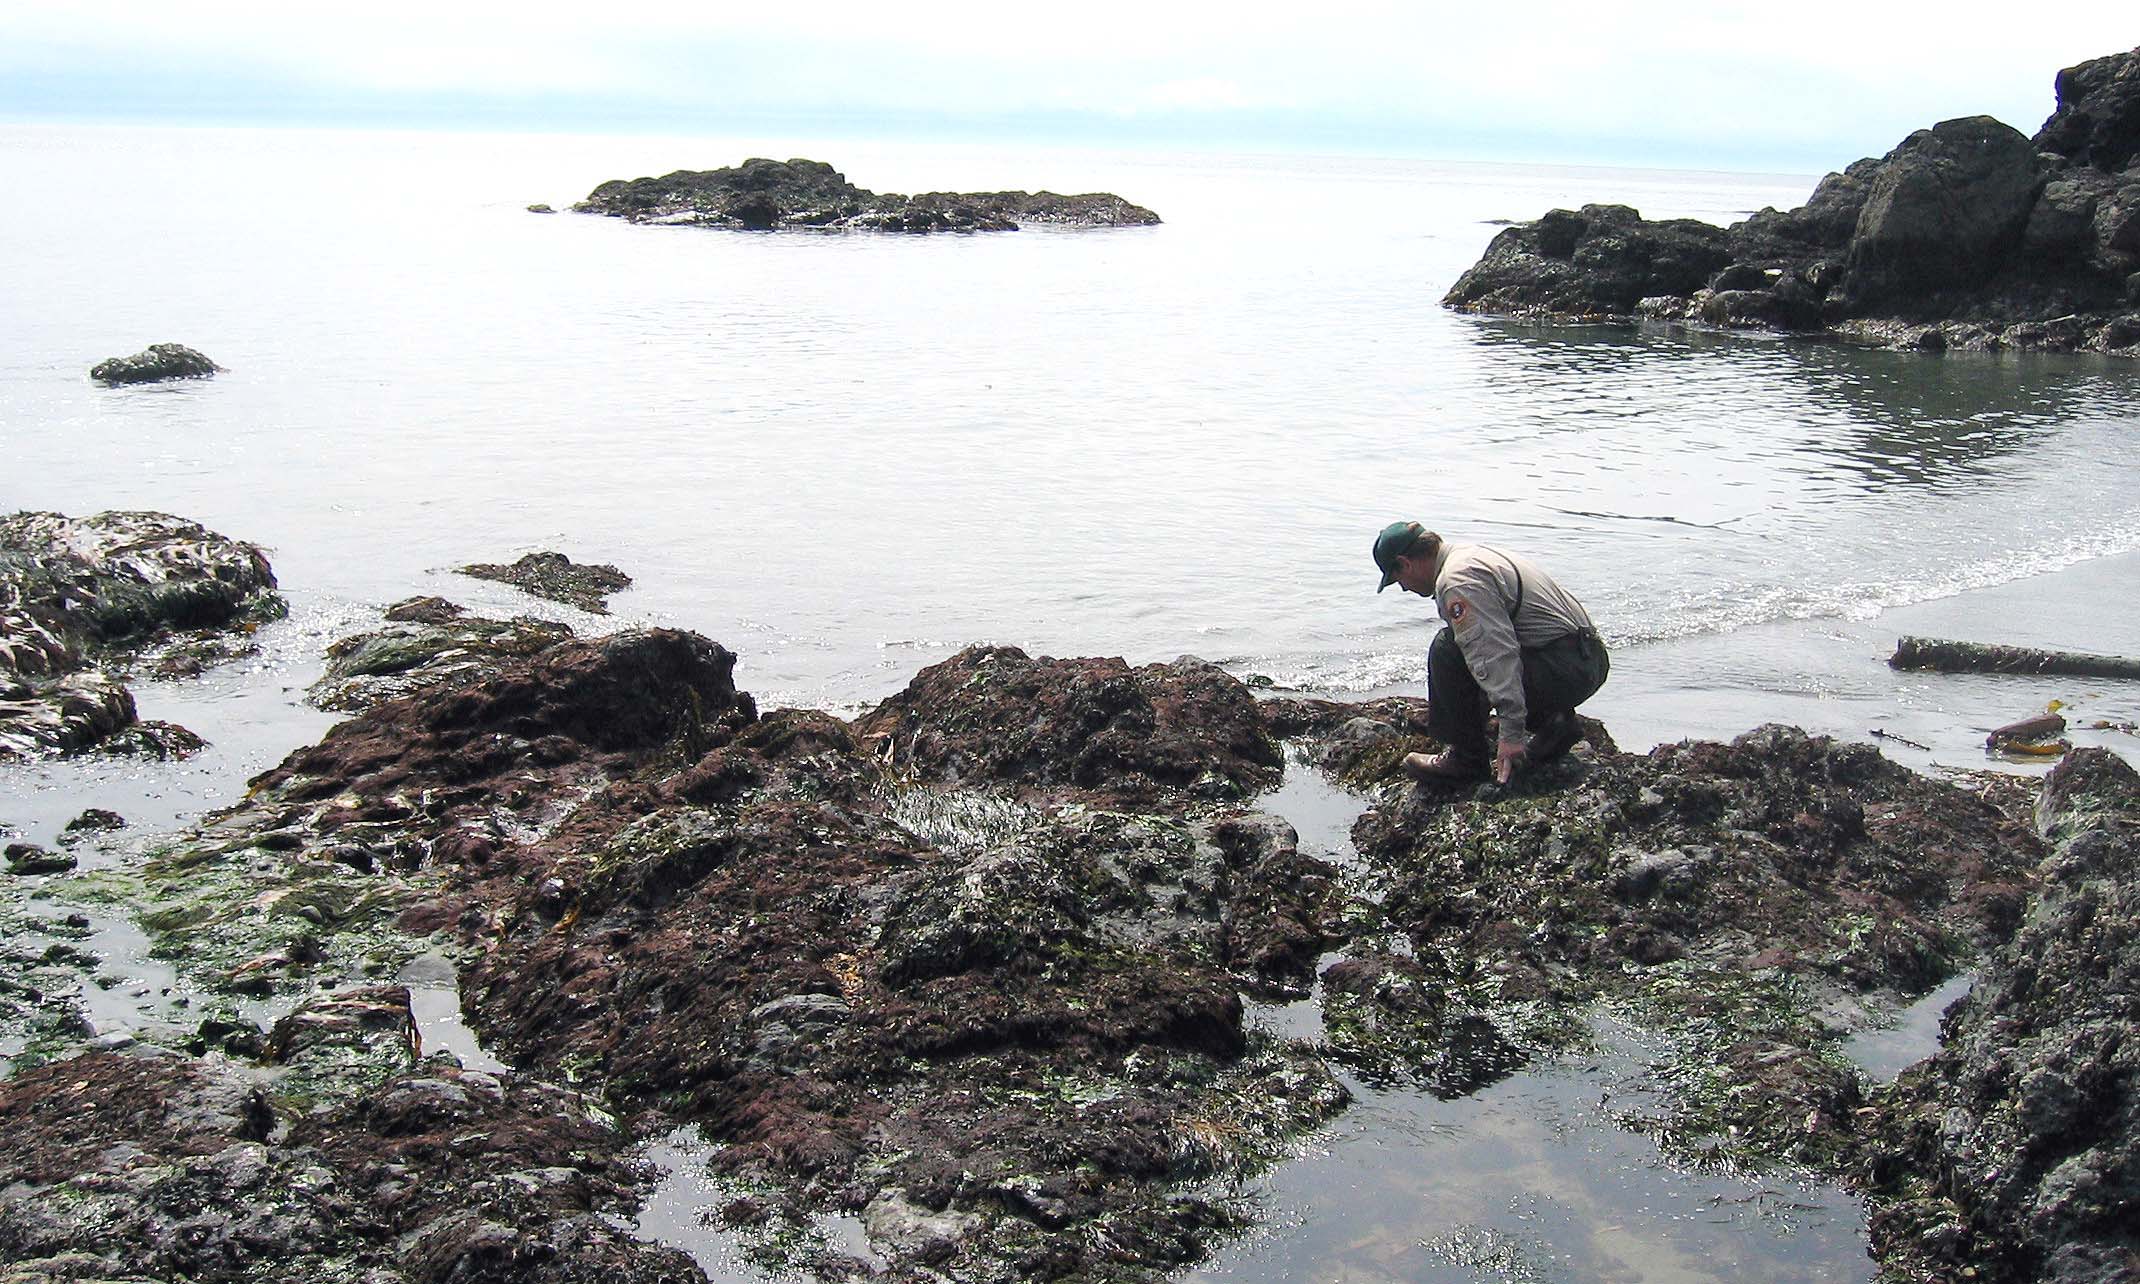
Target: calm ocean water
point(847, 456)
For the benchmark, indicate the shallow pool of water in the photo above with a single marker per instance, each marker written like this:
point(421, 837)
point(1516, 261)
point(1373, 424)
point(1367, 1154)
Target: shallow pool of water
point(1534, 1179)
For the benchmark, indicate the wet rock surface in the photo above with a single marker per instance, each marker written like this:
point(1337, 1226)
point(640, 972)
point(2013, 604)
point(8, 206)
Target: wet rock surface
point(1005, 1025)
point(155, 1166)
point(426, 644)
point(84, 602)
point(1968, 235)
point(765, 195)
point(155, 364)
point(975, 967)
point(994, 715)
point(2012, 1152)
point(1732, 898)
point(558, 578)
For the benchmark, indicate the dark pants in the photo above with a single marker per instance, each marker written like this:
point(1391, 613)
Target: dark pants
point(1556, 677)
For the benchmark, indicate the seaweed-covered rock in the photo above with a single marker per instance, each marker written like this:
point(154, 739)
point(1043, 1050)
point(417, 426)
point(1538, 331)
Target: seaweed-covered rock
point(84, 600)
point(155, 364)
point(999, 1009)
point(1725, 895)
point(627, 694)
point(161, 1167)
point(763, 195)
point(972, 966)
point(996, 715)
point(426, 646)
point(2013, 1150)
point(558, 578)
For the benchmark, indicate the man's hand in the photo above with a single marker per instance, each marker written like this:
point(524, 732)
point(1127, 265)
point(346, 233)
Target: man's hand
point(1508, 758)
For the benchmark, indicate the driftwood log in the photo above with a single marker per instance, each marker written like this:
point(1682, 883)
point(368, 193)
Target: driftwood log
point(1978, 657)
point(2044, 728)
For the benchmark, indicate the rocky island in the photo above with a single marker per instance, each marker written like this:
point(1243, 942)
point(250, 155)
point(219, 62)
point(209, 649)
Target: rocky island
point(974, 967)
point(1968, 235)
point(157, 363)
point(766, 195)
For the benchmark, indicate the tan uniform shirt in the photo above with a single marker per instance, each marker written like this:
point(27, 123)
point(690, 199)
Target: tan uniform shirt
point(1475, 589)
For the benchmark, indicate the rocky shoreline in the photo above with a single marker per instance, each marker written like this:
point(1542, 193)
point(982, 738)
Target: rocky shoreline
point(763, 195)
point(972, 968)
point(1968, 236)
point(86, 602)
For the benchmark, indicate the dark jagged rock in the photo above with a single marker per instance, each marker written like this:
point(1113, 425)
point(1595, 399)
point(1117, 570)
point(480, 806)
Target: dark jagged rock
point(1946, 208)
point(82, 601)
point(2012, 1150)
point(96, 820)
point(558, 578)
point(1966, 235)
point(154, 364)
point(2097, 122)
point(29, 858)
point(1599, 261)
point(763, 195)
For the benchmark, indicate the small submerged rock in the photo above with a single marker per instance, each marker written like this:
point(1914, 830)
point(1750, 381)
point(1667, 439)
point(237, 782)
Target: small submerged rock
point(154, 364)
point(29, 858)
point(558, 578)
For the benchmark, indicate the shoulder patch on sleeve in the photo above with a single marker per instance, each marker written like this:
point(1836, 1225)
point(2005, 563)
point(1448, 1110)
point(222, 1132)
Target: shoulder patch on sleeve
point(1460, 613)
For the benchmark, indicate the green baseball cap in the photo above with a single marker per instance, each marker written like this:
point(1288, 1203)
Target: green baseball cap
point(1394, 542)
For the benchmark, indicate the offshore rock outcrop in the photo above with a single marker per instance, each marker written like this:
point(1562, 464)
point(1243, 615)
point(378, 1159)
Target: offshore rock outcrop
point(85, 601)
point(155, 364)
point(764, 195)
point(1966, 235)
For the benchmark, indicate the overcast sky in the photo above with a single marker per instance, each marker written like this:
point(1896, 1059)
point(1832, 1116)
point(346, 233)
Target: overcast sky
point(1706, 83)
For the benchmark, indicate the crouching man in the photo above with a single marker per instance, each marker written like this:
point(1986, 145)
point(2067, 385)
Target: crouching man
point(1513, 639)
